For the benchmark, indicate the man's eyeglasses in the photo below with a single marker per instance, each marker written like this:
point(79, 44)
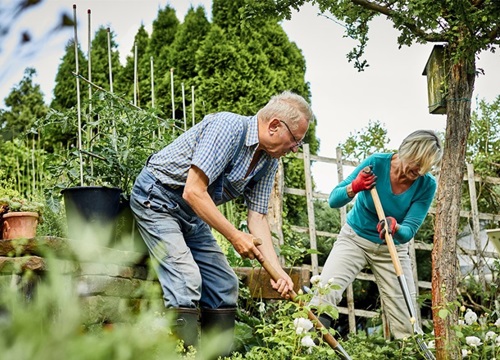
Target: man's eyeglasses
point(297, 143)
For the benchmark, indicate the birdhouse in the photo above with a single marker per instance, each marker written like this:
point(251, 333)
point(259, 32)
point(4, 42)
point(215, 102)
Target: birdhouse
point(436, 70)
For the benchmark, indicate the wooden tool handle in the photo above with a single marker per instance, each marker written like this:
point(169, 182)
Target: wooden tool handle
point(327, 337)
point(388, 237)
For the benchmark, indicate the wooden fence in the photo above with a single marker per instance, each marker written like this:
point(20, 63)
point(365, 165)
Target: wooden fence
point(275, 220)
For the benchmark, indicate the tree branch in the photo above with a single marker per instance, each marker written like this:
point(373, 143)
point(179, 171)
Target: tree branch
point(432, 37)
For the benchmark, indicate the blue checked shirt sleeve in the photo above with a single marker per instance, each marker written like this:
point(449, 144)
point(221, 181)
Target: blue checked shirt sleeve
point(214, 148)
point(257, 198)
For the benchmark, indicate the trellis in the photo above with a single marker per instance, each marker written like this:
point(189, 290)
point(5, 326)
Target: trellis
point(275, 220)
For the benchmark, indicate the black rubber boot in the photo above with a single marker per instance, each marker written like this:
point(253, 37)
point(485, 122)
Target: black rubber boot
point(218, 324)
point(185, 326)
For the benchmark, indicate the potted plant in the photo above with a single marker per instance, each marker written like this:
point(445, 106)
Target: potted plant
point(118, 139)
point(19, 216)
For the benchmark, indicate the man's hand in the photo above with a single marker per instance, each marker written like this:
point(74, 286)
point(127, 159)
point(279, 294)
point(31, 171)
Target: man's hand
point(364, 181)
point(245, 246)
point(392, 225)
point(283, 285)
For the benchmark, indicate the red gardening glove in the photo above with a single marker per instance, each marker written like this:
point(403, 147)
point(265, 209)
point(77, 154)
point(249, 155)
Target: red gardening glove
point(364, 181)
point(391, 225)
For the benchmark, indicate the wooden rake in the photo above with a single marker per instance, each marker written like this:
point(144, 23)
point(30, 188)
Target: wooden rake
point(401, 277)
point(327, 337)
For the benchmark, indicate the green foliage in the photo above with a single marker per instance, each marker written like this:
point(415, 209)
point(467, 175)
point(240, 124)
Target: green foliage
point(482, 152)
point(189, 38)
point(49, 322)
point(25, 104)
point(65, 82)
point(284, 331)
point(120, 138)
point(125, 80)
point(468, 27)
point(478, 335)
point(362, 143)
point(482, 297)
point(99, 57)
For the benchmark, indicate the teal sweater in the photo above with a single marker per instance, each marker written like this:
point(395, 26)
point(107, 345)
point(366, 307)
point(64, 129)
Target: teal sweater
point(408, 208)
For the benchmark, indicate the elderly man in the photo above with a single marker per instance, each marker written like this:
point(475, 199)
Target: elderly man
point(175, 198)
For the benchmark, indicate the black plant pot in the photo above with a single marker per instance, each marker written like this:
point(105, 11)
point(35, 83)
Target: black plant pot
point(92, 211)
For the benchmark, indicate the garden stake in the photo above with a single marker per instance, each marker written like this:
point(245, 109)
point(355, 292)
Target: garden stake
point(327, 337)
point(399, 273)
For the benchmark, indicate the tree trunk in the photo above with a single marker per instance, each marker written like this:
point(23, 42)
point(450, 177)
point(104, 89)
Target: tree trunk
point(444, 257)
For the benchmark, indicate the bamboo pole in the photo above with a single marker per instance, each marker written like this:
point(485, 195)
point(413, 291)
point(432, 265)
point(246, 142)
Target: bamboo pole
point(79, 117)
point(184, 106)
point(135, 74)
point(109, 62)
point(192, 104)
point(172, 92)
point(89, 67)
point(111, 84)
point(152, 83)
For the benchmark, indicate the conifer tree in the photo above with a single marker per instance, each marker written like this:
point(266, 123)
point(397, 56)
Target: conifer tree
point(65, 82)
point(100, 59)
point(125, 81)
point(164, 31)
point(25, 104)
point(189, 37)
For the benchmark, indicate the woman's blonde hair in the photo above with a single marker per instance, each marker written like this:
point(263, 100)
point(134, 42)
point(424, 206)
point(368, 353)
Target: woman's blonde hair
point(422, 147)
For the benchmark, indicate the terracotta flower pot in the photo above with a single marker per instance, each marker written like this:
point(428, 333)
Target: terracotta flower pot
point(19, 225)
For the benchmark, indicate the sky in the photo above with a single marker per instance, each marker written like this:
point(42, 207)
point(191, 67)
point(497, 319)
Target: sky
point(391, 90)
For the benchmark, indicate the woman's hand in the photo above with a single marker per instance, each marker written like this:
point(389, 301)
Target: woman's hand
point(364, 181)
point(392, 225)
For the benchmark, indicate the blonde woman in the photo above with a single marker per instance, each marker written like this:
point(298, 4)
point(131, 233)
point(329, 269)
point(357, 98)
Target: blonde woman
point(406, 189)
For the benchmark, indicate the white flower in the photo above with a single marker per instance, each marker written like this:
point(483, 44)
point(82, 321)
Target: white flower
point(315, 280)
point(497, 341)
point(464, 353)
point(490, 335)
point(302, 325)
point(473, 341)
point(497, 323)
point(330, 281)
point(432, 344)
point(470, 317)
point(307, 341)
point(461, 322)
point(262, 307)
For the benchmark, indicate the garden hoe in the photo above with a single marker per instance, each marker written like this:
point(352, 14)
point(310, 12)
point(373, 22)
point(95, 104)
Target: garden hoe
point(327, 337)
point(399, 273)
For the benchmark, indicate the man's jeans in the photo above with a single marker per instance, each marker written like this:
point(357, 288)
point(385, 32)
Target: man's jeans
point(191, 267)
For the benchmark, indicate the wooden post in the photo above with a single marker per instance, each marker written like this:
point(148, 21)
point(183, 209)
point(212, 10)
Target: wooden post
point(310, 209)
point(275, 213)
point(413, 259)
point(343, 215)
point(475, 224)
